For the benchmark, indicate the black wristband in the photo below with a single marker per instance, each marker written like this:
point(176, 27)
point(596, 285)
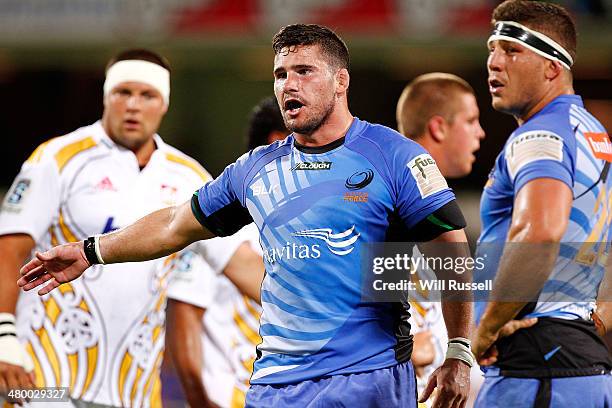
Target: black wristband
point(89, 246)
point(459, 342)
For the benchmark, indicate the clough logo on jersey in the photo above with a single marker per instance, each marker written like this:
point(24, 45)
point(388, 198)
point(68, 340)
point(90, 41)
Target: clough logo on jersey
point(312, 166)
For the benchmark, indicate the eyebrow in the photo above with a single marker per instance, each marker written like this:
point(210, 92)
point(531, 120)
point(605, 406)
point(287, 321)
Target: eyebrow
point(293, 67)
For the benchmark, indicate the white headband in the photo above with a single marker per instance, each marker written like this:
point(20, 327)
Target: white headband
point(139, 71)
point(537, 42)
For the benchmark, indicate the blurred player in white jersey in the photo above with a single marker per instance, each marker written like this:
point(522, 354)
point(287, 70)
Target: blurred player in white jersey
point(105, 345)
point(439, 111)
point(213, 328)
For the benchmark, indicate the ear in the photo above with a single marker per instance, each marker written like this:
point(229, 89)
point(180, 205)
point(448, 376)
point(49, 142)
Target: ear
point(342, 80)
point(436, 126)
point(553, 69)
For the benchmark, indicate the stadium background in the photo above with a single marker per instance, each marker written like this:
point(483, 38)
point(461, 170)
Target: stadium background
point(53, 52)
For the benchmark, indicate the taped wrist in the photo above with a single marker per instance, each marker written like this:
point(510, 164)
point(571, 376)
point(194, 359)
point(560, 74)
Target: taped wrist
point(11, 350)
point(459, 348)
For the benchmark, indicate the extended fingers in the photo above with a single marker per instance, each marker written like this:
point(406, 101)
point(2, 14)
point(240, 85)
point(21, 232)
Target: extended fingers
point(431, 385)
point(52, 285)
point(30, 266)
point(37, 281)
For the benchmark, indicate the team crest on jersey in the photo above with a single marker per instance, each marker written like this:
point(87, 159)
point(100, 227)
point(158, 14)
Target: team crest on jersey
point(168, 194)
point(428, 178)
point(359, 179)
point(600, 145)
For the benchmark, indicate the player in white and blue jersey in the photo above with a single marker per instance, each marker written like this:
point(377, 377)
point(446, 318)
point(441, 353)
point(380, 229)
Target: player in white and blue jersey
point(548, 198)
point(318, 198)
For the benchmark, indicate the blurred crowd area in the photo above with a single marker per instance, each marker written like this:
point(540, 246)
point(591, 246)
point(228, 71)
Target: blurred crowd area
point(53, 53)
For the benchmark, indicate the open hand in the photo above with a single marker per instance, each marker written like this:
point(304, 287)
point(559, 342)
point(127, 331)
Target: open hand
point(58, 265)
point(452, 380)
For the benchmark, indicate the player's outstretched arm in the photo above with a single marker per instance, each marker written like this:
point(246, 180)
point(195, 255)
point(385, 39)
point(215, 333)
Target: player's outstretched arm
point(452, 378)
point(158, 234)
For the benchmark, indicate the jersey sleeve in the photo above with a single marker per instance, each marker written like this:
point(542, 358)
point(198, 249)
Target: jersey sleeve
point(421, 188)
point(219, 205)
point(193, 280)
point(539, 154)
point(33, 200)
point(217, 252)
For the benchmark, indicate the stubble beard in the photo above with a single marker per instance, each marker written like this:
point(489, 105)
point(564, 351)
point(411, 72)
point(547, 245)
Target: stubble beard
point(312, 124)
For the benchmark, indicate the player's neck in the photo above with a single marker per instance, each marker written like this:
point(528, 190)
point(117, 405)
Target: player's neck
point(143, 153)
point(547, 98)
point(436, 150)
point(334, 128)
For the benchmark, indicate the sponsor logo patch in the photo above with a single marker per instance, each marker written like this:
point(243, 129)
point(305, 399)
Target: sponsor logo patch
point(600, 145)
point(106, 184)
point(359, 179)
point(339, 244)
point(428, 178)
point(312, 166)
point(16, 195)
point(533, 146)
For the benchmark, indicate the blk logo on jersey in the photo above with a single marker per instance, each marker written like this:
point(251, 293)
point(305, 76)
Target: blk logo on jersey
point(261, 189)
point(600, 145)
point(339, 244)
point(359, 179)
point(312, 166)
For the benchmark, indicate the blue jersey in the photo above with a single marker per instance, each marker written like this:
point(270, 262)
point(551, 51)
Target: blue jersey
point(563, 142)
point(315, 209)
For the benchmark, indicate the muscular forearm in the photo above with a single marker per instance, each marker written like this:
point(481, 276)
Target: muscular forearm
point(523, 271)
point(156, 235)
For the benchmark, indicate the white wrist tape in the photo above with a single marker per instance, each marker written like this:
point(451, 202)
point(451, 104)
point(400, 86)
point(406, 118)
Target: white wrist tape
point(459, 348)
point(139, 71)
point(97, 248)
point(11, 350)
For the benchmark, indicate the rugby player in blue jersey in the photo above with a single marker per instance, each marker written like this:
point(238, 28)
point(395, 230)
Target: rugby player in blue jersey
point(548, 197)
point(318, 198)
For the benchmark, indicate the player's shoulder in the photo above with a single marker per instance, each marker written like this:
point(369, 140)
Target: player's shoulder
point(182, 162)
point(384, 142)
point(551, 123)
point(61, 149)
point(261, 155)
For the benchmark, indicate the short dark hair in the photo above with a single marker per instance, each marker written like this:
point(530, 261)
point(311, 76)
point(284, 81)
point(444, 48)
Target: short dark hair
point(139, 54)
point(426, 96)
point(548, 18)
point(264, 118)
point(313, 34)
